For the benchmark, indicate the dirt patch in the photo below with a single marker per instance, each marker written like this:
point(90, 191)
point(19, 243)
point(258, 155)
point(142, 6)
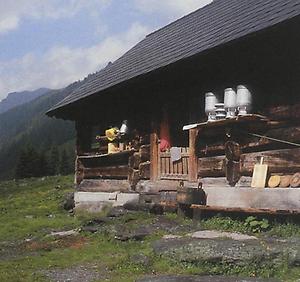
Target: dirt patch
point(67, 242)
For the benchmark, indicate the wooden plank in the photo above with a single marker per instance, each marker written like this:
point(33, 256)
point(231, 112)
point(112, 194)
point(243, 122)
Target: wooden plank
point(106, 172)
point(78, 171)
point(285, 112)
point(185, 166)
point(180, 162)
point(193, 159)
point(171, 171)
point(154, 158)
point(279, 161)
point(246, 210)
point(158, 162)
point(163, 165)
point(290, 134)
point(211, 166)
point(101, 156)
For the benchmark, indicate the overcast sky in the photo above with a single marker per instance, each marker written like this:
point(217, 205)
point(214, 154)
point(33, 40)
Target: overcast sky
point(51, 43)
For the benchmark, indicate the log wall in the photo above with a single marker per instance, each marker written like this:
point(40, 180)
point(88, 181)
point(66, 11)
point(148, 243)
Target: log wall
point(282, 158)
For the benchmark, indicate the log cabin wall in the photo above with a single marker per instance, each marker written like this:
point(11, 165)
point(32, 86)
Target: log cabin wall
point(272, 74)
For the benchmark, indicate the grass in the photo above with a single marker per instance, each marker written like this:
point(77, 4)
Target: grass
point(31, 209)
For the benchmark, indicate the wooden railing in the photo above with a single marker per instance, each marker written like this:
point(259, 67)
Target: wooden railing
point(173, 170)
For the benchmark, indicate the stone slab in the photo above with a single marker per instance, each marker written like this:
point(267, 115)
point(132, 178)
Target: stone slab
point(267, 198)
point(96, 201)
point(94, 197)
point(124, 198)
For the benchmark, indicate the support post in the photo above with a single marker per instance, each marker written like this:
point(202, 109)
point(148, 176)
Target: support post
point(193, 159)
point(82, 142)
point(154, 157)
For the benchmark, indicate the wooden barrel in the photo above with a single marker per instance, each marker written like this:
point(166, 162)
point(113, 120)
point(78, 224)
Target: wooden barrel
point(191, 196)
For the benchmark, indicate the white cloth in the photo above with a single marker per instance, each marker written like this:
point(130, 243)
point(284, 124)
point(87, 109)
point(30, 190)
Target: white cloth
point(175, 154)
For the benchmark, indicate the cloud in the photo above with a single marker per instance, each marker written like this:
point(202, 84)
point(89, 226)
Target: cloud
point(170, 8)
point(62, 65)
point(13, 12)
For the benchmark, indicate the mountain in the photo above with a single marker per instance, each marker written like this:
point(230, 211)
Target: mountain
point(27, 126)
point(19, 98)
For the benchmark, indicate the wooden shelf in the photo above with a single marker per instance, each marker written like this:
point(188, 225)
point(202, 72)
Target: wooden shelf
point(103, 156)
point(223, 123)
point(246, 119)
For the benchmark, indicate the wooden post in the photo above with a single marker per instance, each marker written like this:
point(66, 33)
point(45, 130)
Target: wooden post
point(82, 137)
point(154, 158)
point(193, 159)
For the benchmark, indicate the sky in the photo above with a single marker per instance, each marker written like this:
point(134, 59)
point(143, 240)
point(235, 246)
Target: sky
point(52, 43)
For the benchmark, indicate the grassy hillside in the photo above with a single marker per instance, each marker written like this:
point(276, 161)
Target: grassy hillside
point(28, 125)
point(30, 210)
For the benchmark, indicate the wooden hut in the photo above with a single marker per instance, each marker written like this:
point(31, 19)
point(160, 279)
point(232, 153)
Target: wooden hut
point(159, 85)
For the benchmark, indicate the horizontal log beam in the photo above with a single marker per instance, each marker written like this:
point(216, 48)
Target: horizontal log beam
point(279, 161)
point(290, 134)
point(106, 172)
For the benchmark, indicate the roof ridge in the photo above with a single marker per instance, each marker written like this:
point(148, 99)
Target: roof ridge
point(179, 19)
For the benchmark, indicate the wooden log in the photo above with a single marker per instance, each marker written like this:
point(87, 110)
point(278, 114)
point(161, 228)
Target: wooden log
point(211, 167)
point(145, 153)
point(279, 161)
point(291, 134)
point(135, 160)
point(232, 151)
point(154, 157)
point(106, 172)
point(233, 172)
point(133, 177)
point(295, 181)
point(274, 181)
point(285, 181)
point(79, 171)
point(193, 159)
point(284, 112)
point(144, 169)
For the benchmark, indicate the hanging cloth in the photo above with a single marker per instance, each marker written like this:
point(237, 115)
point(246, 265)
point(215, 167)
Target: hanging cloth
point(165, 139)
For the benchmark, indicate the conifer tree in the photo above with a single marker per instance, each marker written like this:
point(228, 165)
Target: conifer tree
point(53, 163)
point(64, 166)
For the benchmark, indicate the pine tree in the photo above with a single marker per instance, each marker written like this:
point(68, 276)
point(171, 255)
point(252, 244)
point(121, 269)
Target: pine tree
point(43, 164)
point(53, 163)
point(21, 165)
point(64, 166)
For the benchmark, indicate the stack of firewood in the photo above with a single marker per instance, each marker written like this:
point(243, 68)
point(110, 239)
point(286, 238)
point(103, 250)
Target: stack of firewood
point(284, 181)
point(139, 166)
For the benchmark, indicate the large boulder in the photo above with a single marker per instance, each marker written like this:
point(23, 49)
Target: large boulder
point(229, 251)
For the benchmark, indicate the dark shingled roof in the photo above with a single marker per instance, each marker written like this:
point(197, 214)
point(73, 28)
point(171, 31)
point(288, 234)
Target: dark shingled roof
point(215, 24)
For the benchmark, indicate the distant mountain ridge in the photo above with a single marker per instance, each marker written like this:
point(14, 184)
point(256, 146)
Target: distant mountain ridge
point(15, 99)
point(27, 125)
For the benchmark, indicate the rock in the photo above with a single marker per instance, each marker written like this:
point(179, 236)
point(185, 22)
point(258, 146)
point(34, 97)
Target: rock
point(64, 233)
point(145, 207)
point(117, 212)
point(69, 203)
point(229, 251)
point(29, 216)
point(90, 228)
point(140, 259)
point(170, 236)
point(138, 234)
point(196, 278)
point(211, 234)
